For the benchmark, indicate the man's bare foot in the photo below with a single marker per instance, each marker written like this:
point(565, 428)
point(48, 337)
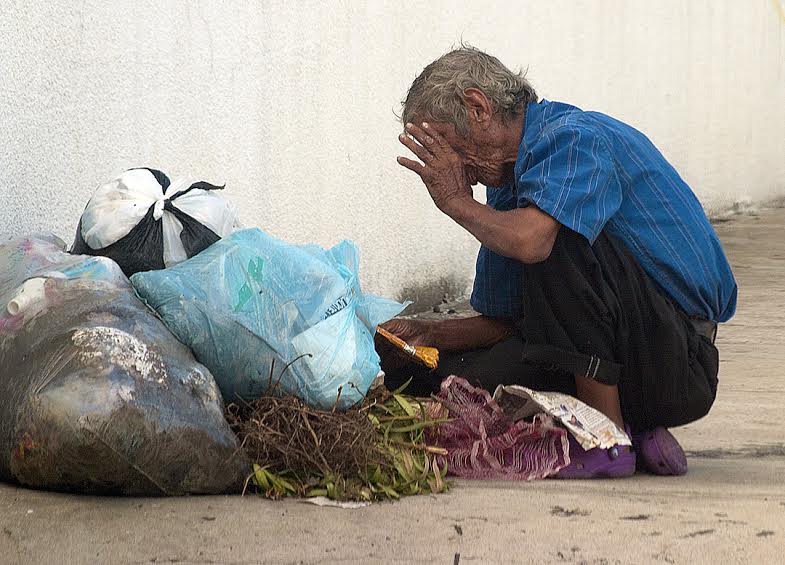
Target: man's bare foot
point(602, 397)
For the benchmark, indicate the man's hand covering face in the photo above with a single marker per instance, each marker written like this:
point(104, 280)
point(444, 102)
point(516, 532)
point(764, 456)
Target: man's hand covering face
point(441, 168)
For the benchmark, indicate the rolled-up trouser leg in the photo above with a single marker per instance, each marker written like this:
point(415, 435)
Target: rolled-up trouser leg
point(593, 309)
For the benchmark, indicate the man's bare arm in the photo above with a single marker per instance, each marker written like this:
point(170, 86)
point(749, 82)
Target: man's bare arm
point(525, 234)
point(462, 334)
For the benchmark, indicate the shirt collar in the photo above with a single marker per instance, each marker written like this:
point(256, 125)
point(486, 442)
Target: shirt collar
point(532, 127)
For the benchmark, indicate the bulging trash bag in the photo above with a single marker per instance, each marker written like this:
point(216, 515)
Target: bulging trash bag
point(263, 315)
point(144, 221)
point(96, 395)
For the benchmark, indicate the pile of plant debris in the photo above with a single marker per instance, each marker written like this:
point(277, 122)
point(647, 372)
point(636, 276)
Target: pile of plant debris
point(374, 451)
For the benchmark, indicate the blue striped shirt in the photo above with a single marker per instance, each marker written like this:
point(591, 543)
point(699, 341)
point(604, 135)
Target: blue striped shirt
point(593, 173)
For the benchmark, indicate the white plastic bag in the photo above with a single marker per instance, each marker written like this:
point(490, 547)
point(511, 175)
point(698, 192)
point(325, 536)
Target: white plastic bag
point(144, 221)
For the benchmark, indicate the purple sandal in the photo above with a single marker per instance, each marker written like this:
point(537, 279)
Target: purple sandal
point(659, 452)
point(614, 463)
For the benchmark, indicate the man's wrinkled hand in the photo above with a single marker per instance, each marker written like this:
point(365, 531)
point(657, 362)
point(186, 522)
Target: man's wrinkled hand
point(440, 167)
point(414, 332)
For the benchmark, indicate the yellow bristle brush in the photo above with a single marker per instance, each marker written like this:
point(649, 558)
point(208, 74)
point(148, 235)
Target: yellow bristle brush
point(428, 356)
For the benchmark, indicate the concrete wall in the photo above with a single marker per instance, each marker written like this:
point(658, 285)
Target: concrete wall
point(291, 104)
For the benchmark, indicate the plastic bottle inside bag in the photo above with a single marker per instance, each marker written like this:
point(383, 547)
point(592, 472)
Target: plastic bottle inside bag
point(30, 293)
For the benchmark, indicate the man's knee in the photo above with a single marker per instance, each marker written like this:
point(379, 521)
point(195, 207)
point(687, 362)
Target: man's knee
point(705, 370)
point(698, 397)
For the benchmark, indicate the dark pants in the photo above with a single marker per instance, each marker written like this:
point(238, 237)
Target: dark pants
point(591, 310)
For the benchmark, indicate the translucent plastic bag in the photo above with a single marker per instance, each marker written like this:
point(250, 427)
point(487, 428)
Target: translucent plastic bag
point(96, 395)
point(144, 221)
point(261, 313)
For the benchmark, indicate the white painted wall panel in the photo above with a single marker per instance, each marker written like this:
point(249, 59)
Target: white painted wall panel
point(291, 104)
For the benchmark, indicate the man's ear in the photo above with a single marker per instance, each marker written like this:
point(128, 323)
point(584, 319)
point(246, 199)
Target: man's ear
point(478, 106)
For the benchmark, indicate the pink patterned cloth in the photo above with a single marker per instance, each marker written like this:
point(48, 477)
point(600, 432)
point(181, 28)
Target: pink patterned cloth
point(482, 442)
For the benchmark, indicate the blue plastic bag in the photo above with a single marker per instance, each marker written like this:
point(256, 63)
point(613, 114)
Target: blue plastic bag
point(263, 315)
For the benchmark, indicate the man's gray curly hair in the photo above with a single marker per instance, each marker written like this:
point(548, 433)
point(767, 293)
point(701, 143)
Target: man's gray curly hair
point(438, 93)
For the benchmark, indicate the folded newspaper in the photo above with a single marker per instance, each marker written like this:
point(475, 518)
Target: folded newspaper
point(590, 427)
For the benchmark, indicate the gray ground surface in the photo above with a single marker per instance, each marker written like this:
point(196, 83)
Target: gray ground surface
point(730, 508)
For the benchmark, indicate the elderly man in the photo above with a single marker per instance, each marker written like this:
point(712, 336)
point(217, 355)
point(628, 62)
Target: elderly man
point(599, 274)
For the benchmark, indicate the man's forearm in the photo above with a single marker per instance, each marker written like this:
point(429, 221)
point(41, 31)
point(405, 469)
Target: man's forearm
point(465, 334)
point(524, 234)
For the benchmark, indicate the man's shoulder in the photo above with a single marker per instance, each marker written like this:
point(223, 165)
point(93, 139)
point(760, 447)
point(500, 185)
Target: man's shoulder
point(557, 123)
point(552, 119)
point(554, 114)
point(547, 115)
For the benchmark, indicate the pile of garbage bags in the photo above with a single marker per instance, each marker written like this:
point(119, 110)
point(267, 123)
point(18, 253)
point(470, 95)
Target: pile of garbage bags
point(101, 393)
point(96, 395)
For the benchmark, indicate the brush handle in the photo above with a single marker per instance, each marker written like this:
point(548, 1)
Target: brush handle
point(428, 356)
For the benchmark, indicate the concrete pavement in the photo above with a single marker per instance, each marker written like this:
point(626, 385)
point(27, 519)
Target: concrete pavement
point(730, 508)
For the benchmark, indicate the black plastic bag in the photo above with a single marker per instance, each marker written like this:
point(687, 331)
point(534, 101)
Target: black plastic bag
point(144, 222)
